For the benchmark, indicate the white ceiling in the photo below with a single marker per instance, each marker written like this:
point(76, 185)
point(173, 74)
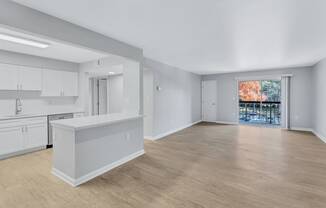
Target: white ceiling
point(56, 50)
point(206, 36)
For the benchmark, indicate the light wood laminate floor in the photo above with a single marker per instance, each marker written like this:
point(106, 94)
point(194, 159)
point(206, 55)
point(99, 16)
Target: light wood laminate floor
point(202, 166)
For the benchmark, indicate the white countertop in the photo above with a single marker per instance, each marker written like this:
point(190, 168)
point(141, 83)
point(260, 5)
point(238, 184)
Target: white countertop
point(46, 113)
point(94, 121)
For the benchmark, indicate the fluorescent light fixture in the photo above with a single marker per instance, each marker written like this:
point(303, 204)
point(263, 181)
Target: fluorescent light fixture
point(111, 73)
point(23, 41)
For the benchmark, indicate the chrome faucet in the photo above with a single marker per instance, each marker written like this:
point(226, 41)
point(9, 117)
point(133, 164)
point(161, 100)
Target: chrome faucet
point(19, 106)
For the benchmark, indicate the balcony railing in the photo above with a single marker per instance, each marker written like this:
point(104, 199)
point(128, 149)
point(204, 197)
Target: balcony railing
point(256, 112)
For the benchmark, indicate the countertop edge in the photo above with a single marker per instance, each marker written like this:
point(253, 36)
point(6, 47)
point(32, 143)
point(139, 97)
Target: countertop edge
point(39, 115)
point(72, 127)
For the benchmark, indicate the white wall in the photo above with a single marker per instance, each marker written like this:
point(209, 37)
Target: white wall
point(319, 102)
point(32, 101)
point(131, 82)
point(301, 95)
point(178, 104)
point(148, 102)
point(131, 87)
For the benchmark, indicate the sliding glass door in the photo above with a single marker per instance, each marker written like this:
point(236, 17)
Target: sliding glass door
point(260, 102)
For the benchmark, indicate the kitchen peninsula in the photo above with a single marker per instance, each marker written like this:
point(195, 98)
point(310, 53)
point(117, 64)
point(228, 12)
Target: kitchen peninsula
point(86, 147)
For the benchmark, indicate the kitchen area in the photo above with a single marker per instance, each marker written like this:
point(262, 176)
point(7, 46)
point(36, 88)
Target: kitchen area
point(81, 104)
point(30, 98)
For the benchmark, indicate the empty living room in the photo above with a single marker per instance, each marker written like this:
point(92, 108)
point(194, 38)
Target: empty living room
point(187, 103)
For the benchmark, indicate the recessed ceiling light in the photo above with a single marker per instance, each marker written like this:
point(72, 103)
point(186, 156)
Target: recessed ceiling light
point(23, 41)
point(111, 73)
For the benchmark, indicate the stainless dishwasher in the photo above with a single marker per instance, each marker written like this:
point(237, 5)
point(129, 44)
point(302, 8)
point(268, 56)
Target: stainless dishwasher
point(53, 118)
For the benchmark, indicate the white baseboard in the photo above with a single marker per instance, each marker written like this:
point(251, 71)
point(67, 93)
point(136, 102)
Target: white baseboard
point(173, 131)
point(64, 177)
point(76, 182)
point(22, 152)
point(223, 122)
point(301, 129)
point(321, 137)
point(148, 137)
point(227, 122)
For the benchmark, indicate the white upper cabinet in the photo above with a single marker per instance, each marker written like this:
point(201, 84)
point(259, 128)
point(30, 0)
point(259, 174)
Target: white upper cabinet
point(8, 77)
point(51, 85)
point(30, 78)
point(13, 77)
point(59, 83)
point(70, 83)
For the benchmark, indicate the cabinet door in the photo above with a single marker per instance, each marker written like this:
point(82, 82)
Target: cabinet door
point(36, 135)
point(8, 77)
point(70, 83)
point(78, 115)
point(11, 140)
point(30, 78)
point(52, 83)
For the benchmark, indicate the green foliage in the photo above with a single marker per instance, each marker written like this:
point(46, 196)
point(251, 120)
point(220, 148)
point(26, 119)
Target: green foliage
point(271, 89)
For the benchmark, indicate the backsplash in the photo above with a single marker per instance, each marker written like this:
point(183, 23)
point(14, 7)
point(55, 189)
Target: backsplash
point(37, 105)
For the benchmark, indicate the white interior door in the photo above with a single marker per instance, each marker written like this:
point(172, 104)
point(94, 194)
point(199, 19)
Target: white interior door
point(209, 100)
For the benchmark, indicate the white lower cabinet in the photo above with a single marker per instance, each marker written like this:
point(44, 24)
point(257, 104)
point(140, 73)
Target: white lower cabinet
point(11, 140)
point(78, 115)
point(20, 135)
point(36, 135)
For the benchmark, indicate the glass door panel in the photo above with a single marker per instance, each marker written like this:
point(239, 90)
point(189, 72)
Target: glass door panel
point(259, 102)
